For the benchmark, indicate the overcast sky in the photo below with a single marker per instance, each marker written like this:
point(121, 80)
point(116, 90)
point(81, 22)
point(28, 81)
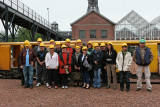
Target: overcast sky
point(65, 12)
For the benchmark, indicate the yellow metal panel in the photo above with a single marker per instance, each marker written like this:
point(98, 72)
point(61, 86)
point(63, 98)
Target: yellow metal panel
point(5, 55)
point(154, 65)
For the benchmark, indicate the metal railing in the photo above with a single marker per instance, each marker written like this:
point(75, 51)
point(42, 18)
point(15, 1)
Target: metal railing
point(25, 10)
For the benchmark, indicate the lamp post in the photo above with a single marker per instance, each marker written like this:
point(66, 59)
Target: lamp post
point(48, 16)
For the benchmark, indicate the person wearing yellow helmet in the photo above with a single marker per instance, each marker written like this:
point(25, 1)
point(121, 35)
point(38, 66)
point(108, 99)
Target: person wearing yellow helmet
point(124, 61)
point(36, 50)
point(104, 73)
point(26, 60)
point(41, 68)
point(79, 43)
point(65, 59)
point(52, 63)
point(97, 57)
point(90, 47)
point(52, 42)
point(69, 48)
point(76, 67)
point(143, 57)
point(111, 56)
point(83, 62)
point(58, 47)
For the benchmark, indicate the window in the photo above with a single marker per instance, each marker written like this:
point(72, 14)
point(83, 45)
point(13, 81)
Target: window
point(93, 34)
point(82, 34)
point(103, 33)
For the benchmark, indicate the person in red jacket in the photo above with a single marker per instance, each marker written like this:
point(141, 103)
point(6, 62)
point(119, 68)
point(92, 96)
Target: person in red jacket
point(64, 66)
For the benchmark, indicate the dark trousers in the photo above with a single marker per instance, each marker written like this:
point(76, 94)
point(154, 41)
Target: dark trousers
point(126, 74)
point(104, 76)
point(85, 77)
point(64, 79)
point(22, 77)
point(52, 75)
point(91, 73)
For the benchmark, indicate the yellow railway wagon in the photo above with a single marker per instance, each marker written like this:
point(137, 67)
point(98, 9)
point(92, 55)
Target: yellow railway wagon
point(9, 52)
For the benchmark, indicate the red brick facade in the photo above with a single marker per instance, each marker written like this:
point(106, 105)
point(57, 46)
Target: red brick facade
point(93, 21)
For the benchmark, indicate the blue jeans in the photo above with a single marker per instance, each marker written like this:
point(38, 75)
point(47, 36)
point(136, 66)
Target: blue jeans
point(97, 78)
point(122, 74)
point(28, 75)
point(85, 77)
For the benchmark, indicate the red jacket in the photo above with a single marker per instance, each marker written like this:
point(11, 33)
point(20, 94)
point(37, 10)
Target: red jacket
point(61, 64)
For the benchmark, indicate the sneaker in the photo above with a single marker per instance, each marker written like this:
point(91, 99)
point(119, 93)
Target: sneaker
point(66, 87)
point(115, 87)
point(56, 87)
point(63, 87)
point(138, 89)
point(49, 87)
point(108, 86)
point(149, 90)
point(38, 84)
point(47, 84)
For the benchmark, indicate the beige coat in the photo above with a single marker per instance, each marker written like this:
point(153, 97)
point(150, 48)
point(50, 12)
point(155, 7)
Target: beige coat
point(127, 61)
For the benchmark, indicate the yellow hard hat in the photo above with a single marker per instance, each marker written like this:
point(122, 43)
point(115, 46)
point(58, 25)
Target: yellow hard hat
point(96, 44)
point(58, 43)
point(51, 46)
point(89, 42)
point(102, 44)
point(26, 43)
point(42, 44)
point(63, 46)
point(124, 44)
point(68, 40)
point(77, 47)
point(110, 43)
point(39, 40)
point(51, 40)
point(78, 41)
point(84, 48)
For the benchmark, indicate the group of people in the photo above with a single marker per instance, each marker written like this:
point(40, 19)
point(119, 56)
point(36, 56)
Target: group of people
point(91, 65)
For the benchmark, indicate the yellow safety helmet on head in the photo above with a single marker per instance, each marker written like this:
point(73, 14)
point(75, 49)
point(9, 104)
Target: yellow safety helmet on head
point(89, 42)
point(26, 43)
point(96, 44)
point(102, 44)
point(51, 46)
point(109, 43)
point(67, 40)
point(42, 44)
point(78, 41)
point(63, 46)
point(58, 43)
point(124, 44)
point(84, 48)
point(51, 40)
point(77, 47)
point(39, 40)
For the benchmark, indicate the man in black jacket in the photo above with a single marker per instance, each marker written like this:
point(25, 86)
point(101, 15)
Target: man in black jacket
point(104, 73)
point(96, 57)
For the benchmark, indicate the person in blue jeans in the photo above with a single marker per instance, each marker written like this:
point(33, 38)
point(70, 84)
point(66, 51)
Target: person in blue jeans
point(85, 73)
point(96, 56)
point(26, 60)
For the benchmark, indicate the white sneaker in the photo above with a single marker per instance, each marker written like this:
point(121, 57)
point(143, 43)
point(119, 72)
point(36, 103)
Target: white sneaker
point(47, 84)
point(66, 87)
point(38, 84)
point(63, 87)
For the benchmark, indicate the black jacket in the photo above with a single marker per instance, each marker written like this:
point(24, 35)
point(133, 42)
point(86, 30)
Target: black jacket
point(74, 61)
point(96, 56)
point(104, 59)
point(111, 59)
point(80, 62)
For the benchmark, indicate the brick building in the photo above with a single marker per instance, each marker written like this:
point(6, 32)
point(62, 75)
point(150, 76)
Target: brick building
point(93, 26)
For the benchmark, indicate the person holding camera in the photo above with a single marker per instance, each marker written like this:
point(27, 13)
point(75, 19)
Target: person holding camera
point(65, 59)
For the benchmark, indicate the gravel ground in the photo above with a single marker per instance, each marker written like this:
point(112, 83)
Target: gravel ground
point(14, 95)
